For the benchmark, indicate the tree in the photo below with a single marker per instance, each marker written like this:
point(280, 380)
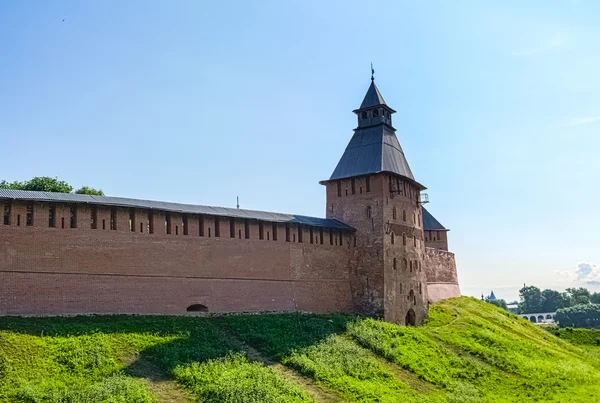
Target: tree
point(579, 295)
point(595, 298)
point(47, 184)
point(582, 315)
point(553, 300)
point(40, 184)
point(531, 299)
point(500, 303)
point(85, 190)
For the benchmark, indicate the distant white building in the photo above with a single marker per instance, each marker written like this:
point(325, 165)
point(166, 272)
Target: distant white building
point(540, 318)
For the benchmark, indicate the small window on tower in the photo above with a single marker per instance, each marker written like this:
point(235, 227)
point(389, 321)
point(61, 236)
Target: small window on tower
point(394, 213)
point(353, 185)
point(395, 267)
point(369, 211)
point(363, 115)
point(339, 188)
point(392, 238)
point(261, 230)
point(375, 112)
point(368, 183)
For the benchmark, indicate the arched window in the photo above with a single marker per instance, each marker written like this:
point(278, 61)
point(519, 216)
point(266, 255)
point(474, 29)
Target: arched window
point(394, 213)
point(411, 297)
point(404, 239)
point(532, 319)
point(404, 264)
point(197, 308)
point(394, 264)
point(548, 316)
point(392, 238)
point(369, 212)
point(403, 215)
point(410, 265)
point(540, 318)
point(363, 115)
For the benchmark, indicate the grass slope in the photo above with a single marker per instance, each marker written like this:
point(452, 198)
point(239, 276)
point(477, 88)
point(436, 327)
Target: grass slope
point(468, 351)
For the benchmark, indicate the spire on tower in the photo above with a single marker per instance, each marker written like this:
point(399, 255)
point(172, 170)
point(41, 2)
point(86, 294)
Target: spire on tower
point(372, 72)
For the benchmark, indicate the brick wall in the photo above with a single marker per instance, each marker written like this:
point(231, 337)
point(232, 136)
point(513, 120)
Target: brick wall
point(83, 270)
point(442, 279)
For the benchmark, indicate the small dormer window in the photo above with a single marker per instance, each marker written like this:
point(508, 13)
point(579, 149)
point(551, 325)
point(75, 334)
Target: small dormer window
point(363, 115)
point(375, 112)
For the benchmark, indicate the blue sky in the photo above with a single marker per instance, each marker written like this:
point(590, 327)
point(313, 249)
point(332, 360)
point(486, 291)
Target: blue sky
point(498, 112)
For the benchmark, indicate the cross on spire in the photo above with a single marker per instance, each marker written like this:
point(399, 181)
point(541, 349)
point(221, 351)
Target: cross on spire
point(372, 72)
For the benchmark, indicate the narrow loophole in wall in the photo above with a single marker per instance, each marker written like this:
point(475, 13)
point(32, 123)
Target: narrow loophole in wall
point(141, 227)
point(52, 217)
point(29, 216)
point(287, 232)
point(62, 222)
point(339, 188)
point(94, 217)
point(197, 308)
point(217, 227)
point(201, 226)
point(113, 219)
point(231, 228)
point(131, 220)
point(274, 229)
point(184, 224)
point(261, 230)
point(300, 229)
point(368, 183)
point(240, 234)
point(177, 230)
point(18, 220)
point(73, 216)
point(247, 229)
point(311, 235)
point(6, 214)
point(151, 222)
point(103, 224)
point(168, 224)
point(341, 238)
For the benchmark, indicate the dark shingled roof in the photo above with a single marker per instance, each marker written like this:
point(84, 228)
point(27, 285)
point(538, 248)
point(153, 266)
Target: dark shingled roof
point(371, 150)
point(430, 223)
point(372, 98)
point(27, 195)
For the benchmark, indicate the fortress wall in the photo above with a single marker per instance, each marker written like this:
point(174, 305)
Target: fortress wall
point(442, 280)
point(80, 270)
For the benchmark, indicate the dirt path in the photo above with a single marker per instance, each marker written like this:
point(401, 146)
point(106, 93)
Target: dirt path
point(159, 384)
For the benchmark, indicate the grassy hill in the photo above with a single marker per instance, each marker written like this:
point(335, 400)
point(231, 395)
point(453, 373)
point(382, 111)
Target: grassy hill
point(468, 351)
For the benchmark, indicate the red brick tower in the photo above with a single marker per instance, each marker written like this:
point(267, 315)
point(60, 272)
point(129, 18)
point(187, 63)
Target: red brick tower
point(373, 189)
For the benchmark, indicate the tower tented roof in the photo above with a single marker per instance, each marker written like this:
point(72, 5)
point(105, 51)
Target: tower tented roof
point(372, 98)
point(372, 150)
point(430, 223)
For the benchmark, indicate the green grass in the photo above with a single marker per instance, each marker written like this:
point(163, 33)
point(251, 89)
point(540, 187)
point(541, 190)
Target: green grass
point(467, 352)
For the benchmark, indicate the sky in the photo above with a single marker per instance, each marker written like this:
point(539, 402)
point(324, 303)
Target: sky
point(200, 102)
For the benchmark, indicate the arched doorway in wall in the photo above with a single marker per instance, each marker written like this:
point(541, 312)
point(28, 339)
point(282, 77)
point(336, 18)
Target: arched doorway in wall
point(540, 318)
point(197, 308)
point(532, 319)
point(411, 318)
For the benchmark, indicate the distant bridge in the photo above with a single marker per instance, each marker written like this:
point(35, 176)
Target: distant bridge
point(541, 317)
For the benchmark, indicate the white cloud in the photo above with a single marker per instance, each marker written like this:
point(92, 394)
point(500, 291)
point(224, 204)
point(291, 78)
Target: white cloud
point(546, 46)
point(583, 121)
point(584, 273)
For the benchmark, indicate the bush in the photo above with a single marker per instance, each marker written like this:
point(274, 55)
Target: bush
point(584, 315)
